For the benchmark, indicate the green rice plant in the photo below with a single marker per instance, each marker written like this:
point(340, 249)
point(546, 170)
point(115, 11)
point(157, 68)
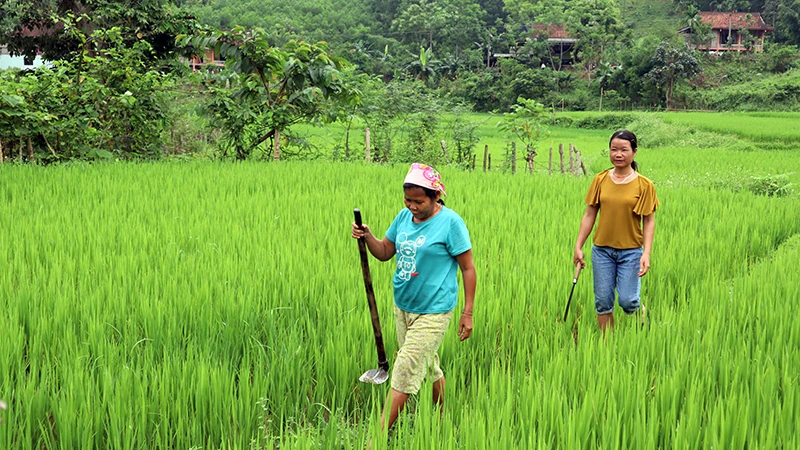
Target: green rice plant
point(221, 306)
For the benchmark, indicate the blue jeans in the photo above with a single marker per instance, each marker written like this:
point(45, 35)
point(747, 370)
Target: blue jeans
point(616, 268)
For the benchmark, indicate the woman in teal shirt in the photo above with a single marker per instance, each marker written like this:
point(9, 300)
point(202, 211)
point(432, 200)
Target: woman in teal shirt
point(430, 243)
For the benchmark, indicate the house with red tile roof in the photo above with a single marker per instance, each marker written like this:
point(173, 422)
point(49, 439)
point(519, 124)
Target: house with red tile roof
point(733, 31)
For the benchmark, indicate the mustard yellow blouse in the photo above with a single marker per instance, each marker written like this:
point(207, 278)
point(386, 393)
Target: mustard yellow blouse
point(621, 207)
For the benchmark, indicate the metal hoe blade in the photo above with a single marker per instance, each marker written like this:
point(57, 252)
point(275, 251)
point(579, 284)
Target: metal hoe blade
point(374, 376)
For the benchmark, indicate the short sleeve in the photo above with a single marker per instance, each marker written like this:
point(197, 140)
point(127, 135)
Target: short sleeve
point(648, 201)
point(458, 240)
point(391, 233)
point(593, 196)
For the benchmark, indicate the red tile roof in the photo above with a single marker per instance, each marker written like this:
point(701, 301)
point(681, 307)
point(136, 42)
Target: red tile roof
point(734, 20)
point(552, 31)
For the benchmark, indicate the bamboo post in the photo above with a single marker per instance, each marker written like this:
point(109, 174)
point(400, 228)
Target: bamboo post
point(561, 153)
point(513, 158)
point(276, 145)
point(474, 157)
point(366, 138)
point(490, 162)
point(550, 163)
point(571, 162)
point(485, 156)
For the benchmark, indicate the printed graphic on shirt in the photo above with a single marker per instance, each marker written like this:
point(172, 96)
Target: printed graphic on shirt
point(407, 255)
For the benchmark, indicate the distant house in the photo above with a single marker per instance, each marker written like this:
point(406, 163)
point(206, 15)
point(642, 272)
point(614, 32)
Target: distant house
point(729, 31)
point(7, 61)
point(207, 60)
point(561, 42)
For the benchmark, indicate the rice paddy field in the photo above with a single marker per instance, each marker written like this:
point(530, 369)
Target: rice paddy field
point(207, 305)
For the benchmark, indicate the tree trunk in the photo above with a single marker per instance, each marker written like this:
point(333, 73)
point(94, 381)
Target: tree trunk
point(347, 143)
point(601, 99)
point(368, 150)
point(513, 158)
point(276, 145)
point(30, 151)
point(2, 158)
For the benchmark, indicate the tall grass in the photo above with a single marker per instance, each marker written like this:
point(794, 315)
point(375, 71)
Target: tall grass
point(217, 306)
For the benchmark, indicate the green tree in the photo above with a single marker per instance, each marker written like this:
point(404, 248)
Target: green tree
point(277, 86)
point(430, 23)
point(670, 65)
point(155, 21)
point(598, 26)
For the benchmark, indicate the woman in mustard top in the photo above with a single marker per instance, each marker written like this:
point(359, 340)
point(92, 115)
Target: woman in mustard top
point(627, 204)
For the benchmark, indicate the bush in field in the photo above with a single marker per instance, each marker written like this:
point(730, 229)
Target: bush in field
point(780, 92)
point(652, 131)
point(780, 58)
point(770, 186)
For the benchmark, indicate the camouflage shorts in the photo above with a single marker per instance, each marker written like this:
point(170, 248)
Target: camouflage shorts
point(419, 337)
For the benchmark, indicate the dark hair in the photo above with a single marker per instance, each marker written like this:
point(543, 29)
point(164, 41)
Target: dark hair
point(430, 193)
point(630, 137)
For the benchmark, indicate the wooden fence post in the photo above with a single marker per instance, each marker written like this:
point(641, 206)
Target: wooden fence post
point(580, 162)
point(490, 162)
point(474, 157)
point(485, 156)
point(366, 138)
point(550, 163)
point(561, 154)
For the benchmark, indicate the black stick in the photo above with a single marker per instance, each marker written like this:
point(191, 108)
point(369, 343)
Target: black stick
point(574, 282)
point(383, 363)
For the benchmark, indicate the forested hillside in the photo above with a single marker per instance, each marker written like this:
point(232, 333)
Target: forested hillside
point(119, 82)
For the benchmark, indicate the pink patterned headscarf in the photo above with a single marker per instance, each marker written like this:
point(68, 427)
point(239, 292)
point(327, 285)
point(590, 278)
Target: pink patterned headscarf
point(425, 176)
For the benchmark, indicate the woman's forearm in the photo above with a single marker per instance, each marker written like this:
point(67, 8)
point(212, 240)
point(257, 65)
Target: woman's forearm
point(648, 231)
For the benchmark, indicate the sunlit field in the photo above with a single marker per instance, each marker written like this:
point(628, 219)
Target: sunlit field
point(221, 306)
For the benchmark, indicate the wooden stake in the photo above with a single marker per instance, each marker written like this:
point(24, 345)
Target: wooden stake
point(571, 162)
point(580, 163)
point(474, 157)
point(485, 156)
point(550, 163)
point(490, 162)
point(561, 153)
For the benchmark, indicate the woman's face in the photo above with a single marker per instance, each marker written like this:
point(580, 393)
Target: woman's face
point(621, 153)
point(420, 205)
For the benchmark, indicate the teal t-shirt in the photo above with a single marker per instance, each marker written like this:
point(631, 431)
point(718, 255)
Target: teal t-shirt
point(425, 280)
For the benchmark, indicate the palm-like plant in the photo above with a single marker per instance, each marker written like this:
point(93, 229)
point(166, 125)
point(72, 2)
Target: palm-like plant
point(424, 67)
